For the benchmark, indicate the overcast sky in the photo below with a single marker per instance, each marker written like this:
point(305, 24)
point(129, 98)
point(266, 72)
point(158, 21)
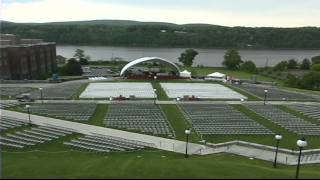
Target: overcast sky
point(253, 13)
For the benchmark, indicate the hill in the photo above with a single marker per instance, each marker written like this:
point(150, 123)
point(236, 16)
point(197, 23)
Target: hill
point(161, 34)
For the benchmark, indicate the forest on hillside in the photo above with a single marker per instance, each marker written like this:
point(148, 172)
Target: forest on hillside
point(126, 33)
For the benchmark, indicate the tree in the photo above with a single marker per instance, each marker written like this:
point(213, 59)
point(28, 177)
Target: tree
point(249, 66)
point(60, 59)
point(79, 54)
point(73, 68)
point(84, 61)
point(232, 60)
point(292, 81)
point(315, 60)
point(316, 67)
point(311, 81)
point(305, 65)
point(281, 66)
point(292, 64)
point(187, 57)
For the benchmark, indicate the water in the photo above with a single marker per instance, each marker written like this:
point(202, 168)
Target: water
point(206, 57)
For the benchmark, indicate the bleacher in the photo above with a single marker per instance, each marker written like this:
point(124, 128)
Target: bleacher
point(104, 144)
point(221, 120)
point(68, 111)
point(33, 137)
point(286, 120)
point(312, 111)
point(146, 118)
point(7, 123)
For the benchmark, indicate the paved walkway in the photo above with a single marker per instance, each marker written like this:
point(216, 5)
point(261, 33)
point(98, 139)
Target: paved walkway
point(249, 150)
point(172, 102)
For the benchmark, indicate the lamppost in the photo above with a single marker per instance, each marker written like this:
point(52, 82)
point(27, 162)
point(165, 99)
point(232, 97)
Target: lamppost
point(278, 138)
point(265, 97)
point(41, 95)
point(155, 78)
point(302, 143)
point(155, 95)
point(187, 132)
point(28, 109)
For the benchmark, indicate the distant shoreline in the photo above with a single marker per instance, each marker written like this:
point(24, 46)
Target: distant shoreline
point(181, 47)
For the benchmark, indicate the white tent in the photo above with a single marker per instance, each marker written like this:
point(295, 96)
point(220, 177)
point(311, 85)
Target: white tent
point(185, 74)
point(216, 75)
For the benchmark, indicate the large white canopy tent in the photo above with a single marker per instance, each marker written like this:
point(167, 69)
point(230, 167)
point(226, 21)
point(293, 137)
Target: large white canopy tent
point(146, 59)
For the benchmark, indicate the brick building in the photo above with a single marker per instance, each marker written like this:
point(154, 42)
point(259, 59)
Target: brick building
point(29, 60)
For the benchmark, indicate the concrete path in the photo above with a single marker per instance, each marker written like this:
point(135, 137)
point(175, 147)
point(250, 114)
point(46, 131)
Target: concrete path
point(241, 148)
point(173, 102)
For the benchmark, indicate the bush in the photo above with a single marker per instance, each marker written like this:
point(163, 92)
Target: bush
point(311, 81)
point(232, 60)
point(281, 66)
point(305, 65)
point(316, 67)
point(73, 68)
point(292, 64)
point(315, 60)
point(249, 66)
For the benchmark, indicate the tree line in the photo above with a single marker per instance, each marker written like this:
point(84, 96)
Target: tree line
point(168, 35)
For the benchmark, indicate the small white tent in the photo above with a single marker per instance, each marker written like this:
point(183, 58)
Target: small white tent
point(185, 74)
point(216, 77)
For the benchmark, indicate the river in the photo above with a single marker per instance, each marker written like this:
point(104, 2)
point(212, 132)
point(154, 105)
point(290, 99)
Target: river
point(206, 57)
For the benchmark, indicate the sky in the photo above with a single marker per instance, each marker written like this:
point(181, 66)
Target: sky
point(250, 13)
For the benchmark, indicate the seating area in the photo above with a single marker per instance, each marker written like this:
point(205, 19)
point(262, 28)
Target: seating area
point(146, 118)
point(5, 105)
point(33, 137)
point(7, 123)
point(107, 90)
point(221, 120)
point(200, 90)
point(104, 144)
point(13, 91)
point(274, 93)
point(68, 111)
point(59, 91)
point(286, 120)
point(312, 111)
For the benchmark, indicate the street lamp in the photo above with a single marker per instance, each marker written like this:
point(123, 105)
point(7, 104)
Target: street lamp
point(265, 96)
point(187, 132)
point(28, 109)
point(302, 143)
point(278, 138)
point(155, 78)
point(41, 95)
point(155, 95)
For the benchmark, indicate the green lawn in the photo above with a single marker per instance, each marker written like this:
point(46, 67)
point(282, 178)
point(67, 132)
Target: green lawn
point(203, 71)
point(151, 165)
point(161, 94)
point(99, 115)
point(178, 122)
point(80, 91)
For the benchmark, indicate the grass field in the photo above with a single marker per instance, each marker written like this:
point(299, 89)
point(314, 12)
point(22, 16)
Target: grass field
point(157, 164)
point(178, 123)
